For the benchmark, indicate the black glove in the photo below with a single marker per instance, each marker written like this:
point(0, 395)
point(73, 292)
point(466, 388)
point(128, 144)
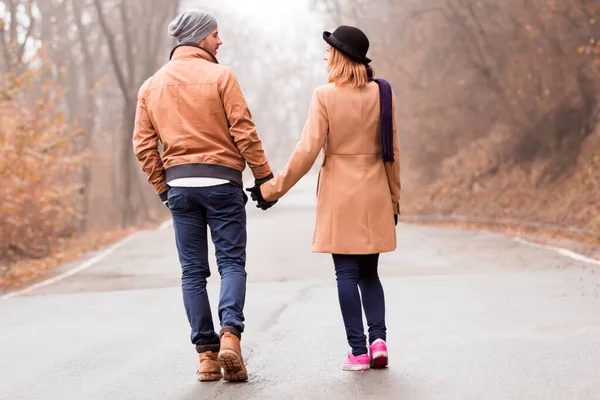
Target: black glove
point(258, 182)
point(164, 197)
point(256, 195)
point(396, 219)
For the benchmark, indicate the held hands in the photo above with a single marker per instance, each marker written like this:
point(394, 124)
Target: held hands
point(256, 194)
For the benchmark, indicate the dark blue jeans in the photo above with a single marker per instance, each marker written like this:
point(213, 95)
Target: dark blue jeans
point(222, 209)
point(354, 272)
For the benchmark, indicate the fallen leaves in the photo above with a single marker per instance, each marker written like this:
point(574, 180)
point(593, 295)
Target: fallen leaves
point(566, 208)
point(66, 250)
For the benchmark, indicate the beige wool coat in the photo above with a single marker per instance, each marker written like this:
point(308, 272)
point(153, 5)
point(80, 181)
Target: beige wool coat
point(357, 194)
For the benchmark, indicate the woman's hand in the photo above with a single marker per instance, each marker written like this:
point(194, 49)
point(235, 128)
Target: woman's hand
point(257, 196)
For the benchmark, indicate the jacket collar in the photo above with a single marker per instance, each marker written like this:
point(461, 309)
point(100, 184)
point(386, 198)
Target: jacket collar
point(191, 50)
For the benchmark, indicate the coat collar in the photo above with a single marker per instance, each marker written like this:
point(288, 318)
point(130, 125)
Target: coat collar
point(191, 50)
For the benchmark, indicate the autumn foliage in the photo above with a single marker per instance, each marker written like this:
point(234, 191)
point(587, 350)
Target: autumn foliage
point(39, 165)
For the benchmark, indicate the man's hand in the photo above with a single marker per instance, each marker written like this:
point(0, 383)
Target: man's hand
point(257, 196)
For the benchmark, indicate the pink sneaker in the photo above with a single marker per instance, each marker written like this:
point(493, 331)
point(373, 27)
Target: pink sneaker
point(379, 354)
point(357, 363)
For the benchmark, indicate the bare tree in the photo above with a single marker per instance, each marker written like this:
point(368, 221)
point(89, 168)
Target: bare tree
point(140, 39)
point(90, 107)
point(17, 27)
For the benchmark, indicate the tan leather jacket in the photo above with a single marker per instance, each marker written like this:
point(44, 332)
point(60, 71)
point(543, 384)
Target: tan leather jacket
point(195, 107)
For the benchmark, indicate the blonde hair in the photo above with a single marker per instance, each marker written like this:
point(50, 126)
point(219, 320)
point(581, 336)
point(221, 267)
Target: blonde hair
point(345, 71)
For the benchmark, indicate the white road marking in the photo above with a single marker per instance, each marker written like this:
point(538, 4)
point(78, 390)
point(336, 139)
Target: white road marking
point(564, 252)
point(89, 263)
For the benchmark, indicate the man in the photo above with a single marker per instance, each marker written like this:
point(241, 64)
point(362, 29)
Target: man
point(195, 107)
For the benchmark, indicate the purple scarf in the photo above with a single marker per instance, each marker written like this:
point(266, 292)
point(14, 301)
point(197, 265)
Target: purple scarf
point(387, 122)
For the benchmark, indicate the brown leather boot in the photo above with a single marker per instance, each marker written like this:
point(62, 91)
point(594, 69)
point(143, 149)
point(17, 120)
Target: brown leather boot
point(230, 358)
point(209, 370)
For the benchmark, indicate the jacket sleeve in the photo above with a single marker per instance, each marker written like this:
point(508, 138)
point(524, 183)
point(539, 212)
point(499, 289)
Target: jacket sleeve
point(145, 146)
point(306, 152)
point(393, 170)
point(241, 127)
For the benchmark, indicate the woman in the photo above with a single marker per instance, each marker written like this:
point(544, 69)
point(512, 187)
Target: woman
point(352, 119)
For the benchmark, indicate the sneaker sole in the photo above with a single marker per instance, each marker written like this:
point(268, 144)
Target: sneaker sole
point(380, 359)
point(234, 368)
point(356, 367)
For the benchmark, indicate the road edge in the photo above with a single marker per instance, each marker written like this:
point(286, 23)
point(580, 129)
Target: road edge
point(85, 265)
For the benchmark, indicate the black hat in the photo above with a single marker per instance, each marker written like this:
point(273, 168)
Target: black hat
point(350, 41)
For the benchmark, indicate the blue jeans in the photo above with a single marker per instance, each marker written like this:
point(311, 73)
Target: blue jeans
point(354, 272)
point(222, 209)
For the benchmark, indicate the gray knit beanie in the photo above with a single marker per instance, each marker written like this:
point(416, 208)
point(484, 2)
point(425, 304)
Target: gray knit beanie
point(192, 26)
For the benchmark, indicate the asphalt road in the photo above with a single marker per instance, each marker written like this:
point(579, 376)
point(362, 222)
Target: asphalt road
point(471, 315)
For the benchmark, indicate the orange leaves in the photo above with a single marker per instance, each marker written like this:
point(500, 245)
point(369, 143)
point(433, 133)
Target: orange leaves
point(532, 33)
point(591, 49)
point(39, 168)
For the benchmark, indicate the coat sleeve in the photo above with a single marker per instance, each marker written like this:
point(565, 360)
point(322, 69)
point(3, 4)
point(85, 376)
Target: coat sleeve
point(145, 146)
point(241, 127)
point(393, 170)
point(306, 152)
